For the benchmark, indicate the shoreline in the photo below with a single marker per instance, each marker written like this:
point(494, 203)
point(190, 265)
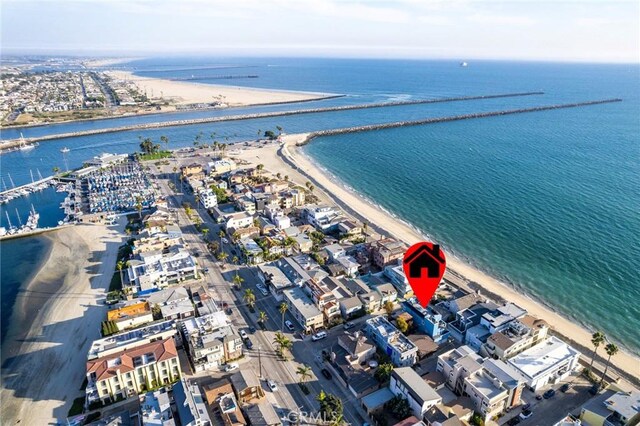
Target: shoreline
point(192, 93)
point(56, 317)
point(458, 271)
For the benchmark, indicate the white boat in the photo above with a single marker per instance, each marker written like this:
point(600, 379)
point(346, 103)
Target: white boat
point(65, 150)
point(24, 146)
point(464, 64)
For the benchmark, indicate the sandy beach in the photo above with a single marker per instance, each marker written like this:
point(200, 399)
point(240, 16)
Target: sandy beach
point(56, 317)
point(180, 92)
point(330, 189)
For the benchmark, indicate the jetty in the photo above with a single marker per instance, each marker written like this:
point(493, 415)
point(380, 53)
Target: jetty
point(382, 126)
point(156, 125)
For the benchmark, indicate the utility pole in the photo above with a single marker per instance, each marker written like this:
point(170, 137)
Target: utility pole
point(260, 359)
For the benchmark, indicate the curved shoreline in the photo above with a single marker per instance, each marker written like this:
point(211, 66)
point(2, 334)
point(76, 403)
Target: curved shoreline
point(384, 222)
point(187, 122)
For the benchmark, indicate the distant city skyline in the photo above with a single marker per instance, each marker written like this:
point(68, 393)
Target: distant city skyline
point(591, 31)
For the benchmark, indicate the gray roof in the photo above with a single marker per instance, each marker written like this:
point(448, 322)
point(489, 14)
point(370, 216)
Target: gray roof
point(168, 295)
point(262, 414)
point(504, 372)
point(350, 302)
point(377, 398)
point(626, 404)
point(414, 383)
point(243, 379)
point(301, 302)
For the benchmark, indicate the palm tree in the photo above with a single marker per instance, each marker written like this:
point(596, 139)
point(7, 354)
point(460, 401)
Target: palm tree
point(286, 177)
point(597, 339)
point(611, 349)
point(205, 231)
point(365, 228)
point(235, 260)
point(283, 308)
point(139, 206)
point(304, 371)
point(223, 256)
point(238, 280)
point(165, 140)
point(259, 168)
point(249, 298)
point(279, 129)
point(262, 317)
point(120, 265)
point(284, 344)
point(56, 170)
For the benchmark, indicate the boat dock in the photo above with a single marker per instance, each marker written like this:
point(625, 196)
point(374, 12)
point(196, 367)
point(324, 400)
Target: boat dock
point(9, 194)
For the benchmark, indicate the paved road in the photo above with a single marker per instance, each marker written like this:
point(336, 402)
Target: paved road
point(289, 396)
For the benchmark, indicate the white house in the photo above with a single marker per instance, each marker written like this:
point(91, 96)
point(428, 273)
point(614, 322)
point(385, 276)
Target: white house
point(407, 383)
point(549, 361)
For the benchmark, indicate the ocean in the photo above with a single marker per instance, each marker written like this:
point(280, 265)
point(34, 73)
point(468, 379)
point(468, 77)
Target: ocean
point(546, 201)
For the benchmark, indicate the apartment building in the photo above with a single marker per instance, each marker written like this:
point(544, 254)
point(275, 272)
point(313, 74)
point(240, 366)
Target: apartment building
point(518, 336)
point(323, 218)
point(387, 251)
point(158, 269)
point(210, 341)
point(303, 309)
point(132, 339)
point(132, 371)
point(427, 320)
point(407, 383)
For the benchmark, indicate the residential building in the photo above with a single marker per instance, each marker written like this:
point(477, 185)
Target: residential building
point(262, 414)
point(247, 386)
point(251, 251)
point(549, 361)
point(395, 273)
point(303, 309)
point(391, 341)
point(518, 336)
point(208, 199)
point(131, 316)
point(131, 339)
point(238, 220)
point(193, 170)
point(220, 396)
point(468, 318)
point(132, 371)
point(426, 320)
point(612, 408)
point(350, 307)
point(387, 292)
point(174, 303)
point(323, 218)
point(359, 348)
point(458, 364)
point(220, 166)
point(350, 228)
point(374, 402)
point(387, 252)
point(274, 279)
point(158, 269)
point(155, 409)
point(210, 341)
point(407, 383)
point(190, 404)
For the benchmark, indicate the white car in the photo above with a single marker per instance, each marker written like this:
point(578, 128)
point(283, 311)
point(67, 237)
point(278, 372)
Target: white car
point(243, 334)
point(272, 385)
point(231, 366)
point(289, 325)
point(319, 336)
point(262, 289)
point(224, 240)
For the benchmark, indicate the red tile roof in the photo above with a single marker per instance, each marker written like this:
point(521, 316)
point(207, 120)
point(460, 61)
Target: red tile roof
point(162, 350)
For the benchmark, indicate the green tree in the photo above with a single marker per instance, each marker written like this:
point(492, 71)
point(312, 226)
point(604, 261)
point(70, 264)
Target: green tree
point(120, 266)
point(269, 134)
point(597, 339)
point(56, 170)
point(399, 407)
point(156, 312)
point(139, 206)
point(304, 372)
point(235, 260)
point(388, 307)
point(611, 349)
point(402, 324)
point(165, 141)
point(331, 408)
point(260, 168)
point(279, 129)
point(383, 373)
point(249, 298)
point(262, 317)
point(283, 308)
point(222, 256)
point(238, 280)
point(284, 344)
point(205, 231)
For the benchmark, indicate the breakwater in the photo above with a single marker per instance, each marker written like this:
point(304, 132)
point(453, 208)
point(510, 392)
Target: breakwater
point(382, 126)
point(15, 142)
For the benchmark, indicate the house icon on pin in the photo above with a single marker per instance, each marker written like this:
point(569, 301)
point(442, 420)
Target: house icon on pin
point(426, 259)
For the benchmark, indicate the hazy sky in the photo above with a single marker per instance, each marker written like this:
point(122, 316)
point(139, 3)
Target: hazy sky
point(587, 30)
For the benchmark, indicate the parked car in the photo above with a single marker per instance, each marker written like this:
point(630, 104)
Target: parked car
point(564, 387)
point(205, 270)
point(262, 289)
point(526, 406)
point(538, 397)
point(326, 374)
point(224, 240)
point(248, 343)
point(594, 389)
point(348, 325)
point(243, 334)
point(231, 366)
point(272, 385)
point(289, 325)
point(514, 421)
point(526, 414)
point(548, 394)
point(252, 330)
point(319, 336)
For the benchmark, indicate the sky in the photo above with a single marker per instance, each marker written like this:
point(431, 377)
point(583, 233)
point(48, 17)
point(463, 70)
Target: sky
point(571, 30)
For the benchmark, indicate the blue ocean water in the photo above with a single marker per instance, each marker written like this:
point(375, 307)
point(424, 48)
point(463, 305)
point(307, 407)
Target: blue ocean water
point(547, 201)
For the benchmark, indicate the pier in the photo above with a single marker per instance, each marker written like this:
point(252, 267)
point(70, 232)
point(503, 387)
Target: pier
point(15, 142)
point(370, 127)
point(29, 188)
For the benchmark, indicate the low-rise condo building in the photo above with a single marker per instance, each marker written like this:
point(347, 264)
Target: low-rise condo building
point(612, 408)
point(407, 383)
point(190, 404)
point(387, 252)
point(132, 339)
point(158, 269)
point(549, 361)
point(303, 309)
point(131, 316)
point(132, 371)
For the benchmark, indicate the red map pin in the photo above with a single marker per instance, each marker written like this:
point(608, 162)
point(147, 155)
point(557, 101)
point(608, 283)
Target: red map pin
point(424, 265)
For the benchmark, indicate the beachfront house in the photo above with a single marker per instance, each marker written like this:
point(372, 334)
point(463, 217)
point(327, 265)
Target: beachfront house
point(131, 339)
point(387, 252)
point(157, 269)
point(126, 373)
point(323, 218)
point(131, 316)
point(548, 362)
point(426, 320)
